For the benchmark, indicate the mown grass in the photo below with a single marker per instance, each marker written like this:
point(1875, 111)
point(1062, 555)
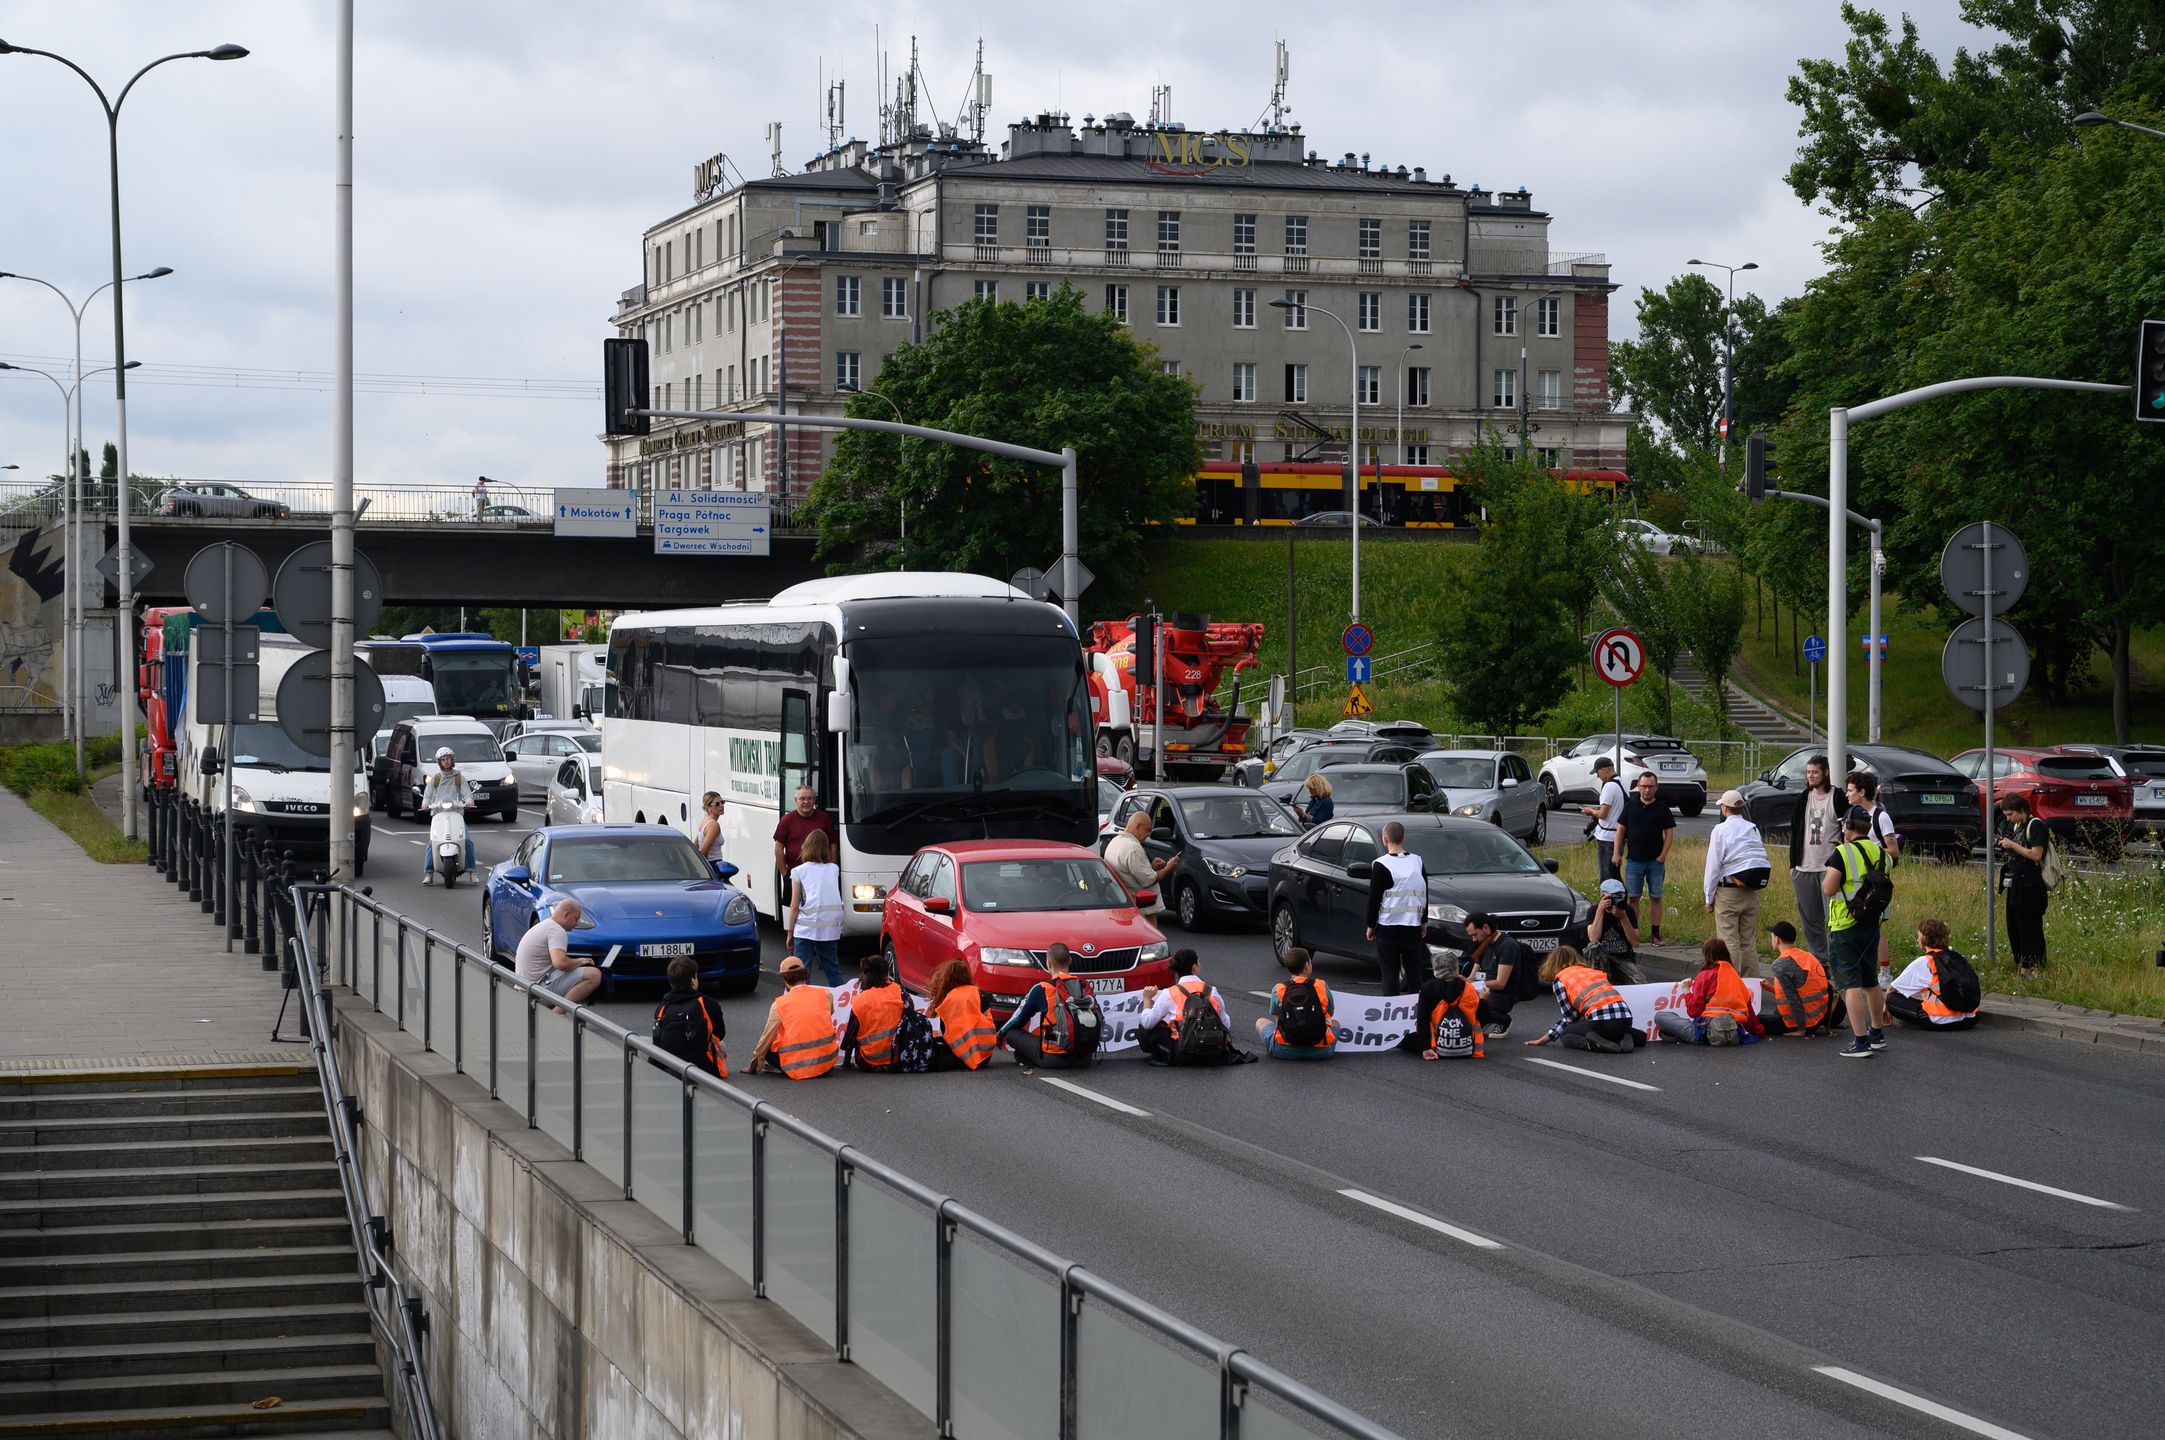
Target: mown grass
point(2101, 930)
point(45, 776)
point(79, 817)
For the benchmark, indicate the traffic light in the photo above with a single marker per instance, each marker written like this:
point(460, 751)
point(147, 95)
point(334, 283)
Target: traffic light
point(624, 387)
point(1758, 464)
point(2150, 372)
point(1146, 650)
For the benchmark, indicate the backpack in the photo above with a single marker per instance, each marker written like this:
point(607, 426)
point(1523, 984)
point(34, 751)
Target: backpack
point(913, 1040)
point(2049, 869)
point(1300, 1015)
point(1875, 891)
point(686, 1029)
point(1453, 1038)
point(1203, 1038)
point(1958, 987)
point(1073, 1022)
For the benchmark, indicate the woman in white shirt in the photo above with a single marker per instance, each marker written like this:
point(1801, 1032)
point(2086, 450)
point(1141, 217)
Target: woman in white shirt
point(813, 926)
point(708, 837)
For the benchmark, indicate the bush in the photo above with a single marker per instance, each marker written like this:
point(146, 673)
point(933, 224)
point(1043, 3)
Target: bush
point(24, 768)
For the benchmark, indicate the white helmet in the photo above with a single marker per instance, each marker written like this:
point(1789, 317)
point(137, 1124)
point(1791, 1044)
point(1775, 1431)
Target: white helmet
point(443, 752)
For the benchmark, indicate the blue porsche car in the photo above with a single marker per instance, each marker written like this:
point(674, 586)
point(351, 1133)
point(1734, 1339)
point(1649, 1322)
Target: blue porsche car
point(647, 895)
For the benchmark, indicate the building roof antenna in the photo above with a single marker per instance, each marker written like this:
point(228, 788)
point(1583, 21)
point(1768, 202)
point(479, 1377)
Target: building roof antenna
point(1274, 115)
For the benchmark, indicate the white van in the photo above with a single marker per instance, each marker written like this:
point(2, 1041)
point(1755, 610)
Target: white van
point(412, 754)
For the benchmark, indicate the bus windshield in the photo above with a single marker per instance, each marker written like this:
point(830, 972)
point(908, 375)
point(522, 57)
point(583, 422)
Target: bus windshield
point(475, 682)
point(968, 725)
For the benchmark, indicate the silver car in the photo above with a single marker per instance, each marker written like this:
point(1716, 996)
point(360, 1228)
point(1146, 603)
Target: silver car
point(536, 755)
point(1493, 785)
point(575, 793)
point(209, 497)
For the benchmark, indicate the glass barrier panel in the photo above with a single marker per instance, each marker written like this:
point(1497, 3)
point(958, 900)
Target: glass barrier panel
point(442, 1007)
point(722, 1181)
point(601, 1062)
point(402, 977)
point(893, 1291)
point(552, 1074)
point(800, 1231)
point(473, 1009)
point(1262, 1418)
point(657, 1151)
point(367, 955)
point(511, 1057)
point(1004, 1343)
point(1132, 1381)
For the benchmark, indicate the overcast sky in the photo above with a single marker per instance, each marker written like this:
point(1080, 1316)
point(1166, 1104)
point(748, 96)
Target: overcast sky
point(508, 155)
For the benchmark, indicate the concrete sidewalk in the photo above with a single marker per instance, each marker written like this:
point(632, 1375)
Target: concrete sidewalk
point(110, 967)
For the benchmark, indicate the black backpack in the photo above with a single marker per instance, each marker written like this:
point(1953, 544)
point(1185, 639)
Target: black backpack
point(1958, 987)
point(1875, 889)
point(1203, 1039)
point(1453, 1037)
point(1301, 1020)
point(688, 1030)
point(1073, 1021)
point(913, 1040)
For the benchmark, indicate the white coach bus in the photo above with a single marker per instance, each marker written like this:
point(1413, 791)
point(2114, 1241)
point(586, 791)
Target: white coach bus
point(918, 707)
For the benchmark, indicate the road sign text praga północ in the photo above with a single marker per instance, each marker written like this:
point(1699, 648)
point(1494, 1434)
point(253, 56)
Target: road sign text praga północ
point(1618, 656)
point(706, 522)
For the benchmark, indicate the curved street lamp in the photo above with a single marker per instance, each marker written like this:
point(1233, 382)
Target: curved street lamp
point(2092, 117)
point(1728, 350)
point(1353, 434)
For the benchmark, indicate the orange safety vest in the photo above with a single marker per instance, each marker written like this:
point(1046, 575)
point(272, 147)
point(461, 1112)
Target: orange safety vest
point(1930, 999)
point(1199, 987)
point(1729, 997)
point(1323, 997)
point(1045, 1030)
point(1467, 1004)
point(878, 1013)
point(1801, 1010)
point(807, 1044)
point(965, 1027)
point(1586, 990)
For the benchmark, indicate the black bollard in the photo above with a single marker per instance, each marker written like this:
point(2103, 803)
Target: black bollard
point(267, 872)
point(168, 822)
point(150, 825)
point(218, 868)
point(247, 878)
point(213, 852)
point(191, 849)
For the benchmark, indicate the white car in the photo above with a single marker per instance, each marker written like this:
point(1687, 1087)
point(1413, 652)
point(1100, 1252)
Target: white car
point(1681, 779)
point(535, 754)
point(575, 793)
point(1647, 534)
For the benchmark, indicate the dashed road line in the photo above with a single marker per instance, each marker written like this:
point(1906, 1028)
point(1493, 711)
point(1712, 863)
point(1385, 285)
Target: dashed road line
point(1088, 1094)
point(1589, 1074)
point(1918, 1403)
point(1441, 1227)
point(2025, 1184)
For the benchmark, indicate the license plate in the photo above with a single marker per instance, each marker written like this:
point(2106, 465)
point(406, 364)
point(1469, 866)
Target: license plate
point(1109, 987)
point(2093, 800)
point(1931, 799)
point(1544, 943)
point(2157, 792)
point(1675, 765)
point(666, 950)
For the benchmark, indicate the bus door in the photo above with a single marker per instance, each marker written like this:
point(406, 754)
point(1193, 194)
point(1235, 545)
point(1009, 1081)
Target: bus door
point(800, 748)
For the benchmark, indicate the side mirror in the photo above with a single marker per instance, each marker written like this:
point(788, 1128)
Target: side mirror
point(723, 870)
point(1162, 834)
point(1146, 897)
point(938, 904)
point(212, 763)
point(1419, 803)
point(1510, 782)
point(1781, 782)
point(578, 712)
point(1549, 865)
point(840, 703)
point(1360, 870)
point(516, 875)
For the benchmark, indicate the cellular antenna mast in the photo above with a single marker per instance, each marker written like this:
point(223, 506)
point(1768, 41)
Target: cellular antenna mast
point(774, 146)
point(977, 99)
point(1274, 117)
point(1161, 105)
point(835, 110)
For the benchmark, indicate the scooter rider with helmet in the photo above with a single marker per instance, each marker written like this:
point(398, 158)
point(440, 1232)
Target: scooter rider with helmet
point(446, 783)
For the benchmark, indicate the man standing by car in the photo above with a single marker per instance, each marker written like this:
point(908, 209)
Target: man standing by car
point(543, 958)
point(789, 835)
point(1642, 846)
point(1736, 871)
point(1811, 840)
point(1608, 815)
point(1131, 863)
point(1398, 913)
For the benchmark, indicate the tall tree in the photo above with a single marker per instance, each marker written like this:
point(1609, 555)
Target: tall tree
point(1707, 603)
point(1509, 654)
point(1672, 372)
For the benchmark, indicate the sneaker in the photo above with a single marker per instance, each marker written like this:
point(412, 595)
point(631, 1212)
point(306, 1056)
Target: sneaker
point(1876, 1038)
point(1571, 1040)
point(1498, 1027)
point(1657, 935)
point(1858, 1048)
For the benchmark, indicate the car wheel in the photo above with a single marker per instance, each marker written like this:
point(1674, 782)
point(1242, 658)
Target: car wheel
point(1548, 785)
point(488, 929)
point(1124, 748)
point(1540, 833)
point(1188, 902)
point(741, 984)
point(1691, 808)
point(511, 816)
point(1284, 930)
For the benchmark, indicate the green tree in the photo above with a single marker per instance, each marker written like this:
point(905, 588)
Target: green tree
point(1635, 582)
point(1509, 654)
point(1672, 374)
point(1046, 374)
point(1706, 603)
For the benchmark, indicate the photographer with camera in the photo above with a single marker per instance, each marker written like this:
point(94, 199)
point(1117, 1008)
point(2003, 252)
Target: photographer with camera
point(1612, 936)
point(1606, 816)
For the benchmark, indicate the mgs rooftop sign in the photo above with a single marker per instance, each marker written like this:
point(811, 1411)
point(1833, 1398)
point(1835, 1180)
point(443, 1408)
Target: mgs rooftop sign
point(708, 177)
point(1190, 153)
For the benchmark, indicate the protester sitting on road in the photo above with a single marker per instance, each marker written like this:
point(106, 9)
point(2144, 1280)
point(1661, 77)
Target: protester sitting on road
point(1320, 806)
point(1591, 1015)
point(1187, 1023)
point(875, 1013)
point(1938, 990)
point(799, 1038)
point(1718, 1009)
point(1796, 999)
point(1299, 1026)
point(966, 1038)
point(543, 957)
point(1612, 935)
point(689, 1024)
point(1058, 1023)
point(1448, 1027)
point(1507, 973)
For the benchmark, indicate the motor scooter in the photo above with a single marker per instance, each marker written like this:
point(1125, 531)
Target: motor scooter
point(447, 839)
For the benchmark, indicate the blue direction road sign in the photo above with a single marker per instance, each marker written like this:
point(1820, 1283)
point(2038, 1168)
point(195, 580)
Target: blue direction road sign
point(1815, 649)
point(1357, 669)
point(1866, 642)
point(1359, 639)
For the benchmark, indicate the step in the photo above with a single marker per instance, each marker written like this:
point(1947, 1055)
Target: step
point(34, 1104)
point(203, 1235)
point(283, 1153)
point(158, 1081)
point(248, 1293)
point(301, 1201)
point(225, 1387)
point(162, 1267)
point(327, 1419)
point(280, 1352)
point(47, 1186)
point(129, 1129)
point(226, 1326)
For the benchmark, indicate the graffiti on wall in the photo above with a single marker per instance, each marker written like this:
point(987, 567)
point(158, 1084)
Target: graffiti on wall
point(32, 618)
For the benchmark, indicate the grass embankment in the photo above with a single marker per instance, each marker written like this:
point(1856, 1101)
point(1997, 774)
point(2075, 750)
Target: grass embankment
point(44, 775)
point(2100, 931)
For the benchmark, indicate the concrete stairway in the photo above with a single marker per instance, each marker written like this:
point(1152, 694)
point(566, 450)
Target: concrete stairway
point(174, 1250)
point(1747, 712)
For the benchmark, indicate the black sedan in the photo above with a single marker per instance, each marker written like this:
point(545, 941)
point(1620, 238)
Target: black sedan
point(1223, 837)
point(1934, 806)
point(1319, 887)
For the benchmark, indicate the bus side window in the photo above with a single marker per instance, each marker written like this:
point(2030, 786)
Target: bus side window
point(797, 763)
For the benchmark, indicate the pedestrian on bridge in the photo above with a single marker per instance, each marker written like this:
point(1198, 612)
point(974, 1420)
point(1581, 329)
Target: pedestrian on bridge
point(1736, 871)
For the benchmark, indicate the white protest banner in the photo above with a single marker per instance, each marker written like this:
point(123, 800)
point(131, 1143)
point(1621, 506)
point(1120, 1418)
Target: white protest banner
point(1647, 1001)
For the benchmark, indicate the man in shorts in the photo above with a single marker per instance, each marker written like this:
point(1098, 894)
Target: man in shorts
point(1642, 846)
point(1854, 971)
point(543, 958)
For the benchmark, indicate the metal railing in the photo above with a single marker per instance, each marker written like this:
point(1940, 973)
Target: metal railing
point(981, 1331)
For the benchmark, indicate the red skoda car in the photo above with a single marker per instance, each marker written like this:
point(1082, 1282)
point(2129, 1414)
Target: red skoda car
point(998, 903)
point(2079, 797)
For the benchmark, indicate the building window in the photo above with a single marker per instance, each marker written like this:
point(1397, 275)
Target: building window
point(729, 385)
point(1169, 367)
point(1417, 385)
point(1242, 452)
point(1037, 226)
point(1296, 384)
point(669, 259)
point(1547, 456)
point(1415, 455)
point(1371, 239)
point(1416, 239)
point(1506, 393)
point(1168, 304)
point(1417, 313)
point(732, 314)
point(985, 289)
point(1507, 315)
point(668, 332)
point(1296, 235)
point(699, 322)
point(1116, 229)
point(1037, 290)
point(1371, 310)
point(1168, 231)
point(1243, 382)
point(1371, 384)
point(988, 225)
point(1549, 389)
point(669, 395)
point(1116, 302)
point(1549, 316)
point(848, 295)
point(1296, 311)
point(1243, 234)
point(847, 369)
point(695, 392)
point(894, 298)
point(1243, 309)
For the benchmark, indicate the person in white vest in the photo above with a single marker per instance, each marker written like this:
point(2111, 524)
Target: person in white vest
point(1398, 914)
point(813, 927)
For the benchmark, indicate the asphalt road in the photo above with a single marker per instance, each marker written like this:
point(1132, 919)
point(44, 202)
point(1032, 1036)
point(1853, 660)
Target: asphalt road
point(1683, 1253)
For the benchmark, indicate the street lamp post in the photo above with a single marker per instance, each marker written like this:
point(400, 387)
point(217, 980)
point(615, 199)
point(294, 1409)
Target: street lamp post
point(2091, 117)
point(1399, 379)
point(124, 556)
point(1526, 394)
point(1728, 350)
point(1353, 436)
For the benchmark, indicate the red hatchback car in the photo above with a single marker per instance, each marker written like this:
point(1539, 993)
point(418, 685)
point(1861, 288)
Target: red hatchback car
point(998, 903)
point(2079, 797)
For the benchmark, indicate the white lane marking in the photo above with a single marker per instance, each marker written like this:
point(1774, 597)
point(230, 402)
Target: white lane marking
point(1431, 1222)
point(2025, 1184)
point(1589, 1074)
point(1262, 994)
point(1088, 1094)
point(1917, 1402)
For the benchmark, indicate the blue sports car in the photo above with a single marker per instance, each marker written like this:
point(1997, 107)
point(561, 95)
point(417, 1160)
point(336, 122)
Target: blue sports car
point(647, 896)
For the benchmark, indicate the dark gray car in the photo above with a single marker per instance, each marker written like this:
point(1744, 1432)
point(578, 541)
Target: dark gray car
point(210, 497)
point(1223, 837)
point(1493, 785)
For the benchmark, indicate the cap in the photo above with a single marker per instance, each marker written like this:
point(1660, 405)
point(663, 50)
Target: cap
point(443, 752)
point(1604, 762)
point(1783, 931)
point(1858, 819)
point(1612, 886)
point(1731, 800)
point(792, 962)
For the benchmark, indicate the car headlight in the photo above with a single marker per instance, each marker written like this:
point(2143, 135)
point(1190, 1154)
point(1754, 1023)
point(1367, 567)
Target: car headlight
point(586, 922)
point(1447, 914)
point(1225, 869)
point(1156, 950)
point(1467, 810)
point(1582, 909)
point(244, 802)
point(866, 894)
point(738, 911)
point(1001, 955)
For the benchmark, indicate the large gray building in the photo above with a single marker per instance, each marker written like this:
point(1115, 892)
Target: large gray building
point(809, 280)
